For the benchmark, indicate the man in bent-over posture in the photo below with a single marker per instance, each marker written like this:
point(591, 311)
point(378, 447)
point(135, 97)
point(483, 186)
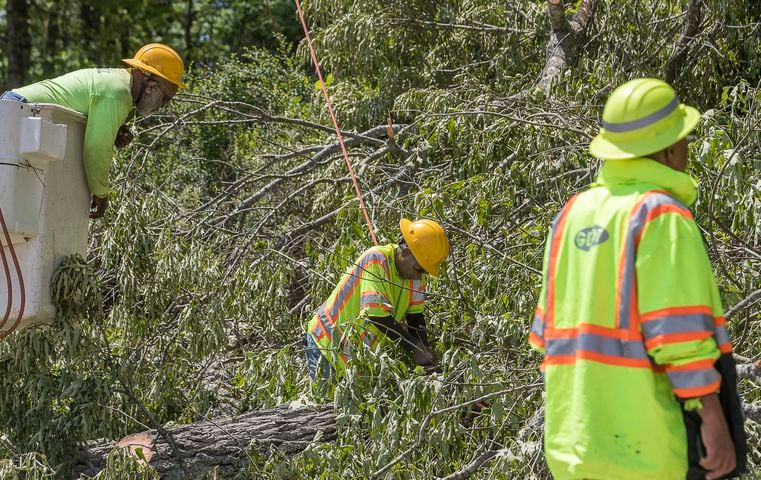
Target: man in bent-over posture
point(106, 96)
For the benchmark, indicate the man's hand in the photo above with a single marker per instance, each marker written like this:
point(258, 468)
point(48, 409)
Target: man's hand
point(123, 136)
point(98, 206)
point(422, 355)
point(720, 450)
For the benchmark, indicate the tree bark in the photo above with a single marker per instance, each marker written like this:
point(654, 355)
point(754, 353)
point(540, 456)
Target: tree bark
point(566, 35)
point(690, 28)
point(749, 370)
point(752, 412)
point(468, 470)
point(18, 42)
point(222, 443)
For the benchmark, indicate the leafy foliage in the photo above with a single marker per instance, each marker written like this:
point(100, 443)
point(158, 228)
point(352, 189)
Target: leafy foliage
point(233, 217)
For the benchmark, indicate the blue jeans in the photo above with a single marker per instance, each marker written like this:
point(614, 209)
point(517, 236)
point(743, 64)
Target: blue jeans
point(320, 371)
point(9, 95)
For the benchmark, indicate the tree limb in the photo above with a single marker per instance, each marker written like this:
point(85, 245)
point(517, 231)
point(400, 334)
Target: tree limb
point(472, 26)
point(472, 467)
point(690, 28)
point(558, 20)
point(307, 166)
point(222, 442)
point(752, 412)
point(423, 433)
point(581, 18)
point(566, 35)
point(746, 302)
point(750, 371)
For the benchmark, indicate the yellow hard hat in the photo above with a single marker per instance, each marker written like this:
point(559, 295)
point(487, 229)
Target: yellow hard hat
point(427, 241)
point(641, 117)
point(160, 60)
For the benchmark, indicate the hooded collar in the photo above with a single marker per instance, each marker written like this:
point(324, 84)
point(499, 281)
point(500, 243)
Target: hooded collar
point(644, 170)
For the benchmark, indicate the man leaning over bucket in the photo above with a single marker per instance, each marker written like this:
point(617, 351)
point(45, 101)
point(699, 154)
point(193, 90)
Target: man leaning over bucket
point(106, 96)
point(382, 294)
point(639, 376)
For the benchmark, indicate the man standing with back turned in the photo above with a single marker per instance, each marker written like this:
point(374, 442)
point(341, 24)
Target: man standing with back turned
point(629, 316)
point(106, 96)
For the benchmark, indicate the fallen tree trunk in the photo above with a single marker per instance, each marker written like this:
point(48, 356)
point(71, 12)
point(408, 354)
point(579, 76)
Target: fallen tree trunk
point(220, 443)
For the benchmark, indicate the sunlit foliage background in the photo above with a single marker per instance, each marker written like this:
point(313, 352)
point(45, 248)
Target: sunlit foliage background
point(233, 216)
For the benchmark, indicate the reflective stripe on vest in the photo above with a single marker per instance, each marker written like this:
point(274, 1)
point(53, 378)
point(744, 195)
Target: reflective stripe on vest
point(375, 299)
point(417, 296)
point(672, 325)
point(352, 281)
point(593, 342)
point(327, 314)
point(694, 379)
point(558, 225)
point(623, 345)
point(652, 205)
point(536, 336)
point(722, 336)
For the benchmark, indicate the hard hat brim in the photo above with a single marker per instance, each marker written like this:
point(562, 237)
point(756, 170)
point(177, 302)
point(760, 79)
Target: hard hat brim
point(605, 148)
point(404, 226)
point(137, 64)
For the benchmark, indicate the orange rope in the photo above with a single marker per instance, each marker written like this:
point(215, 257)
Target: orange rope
point(335, 124)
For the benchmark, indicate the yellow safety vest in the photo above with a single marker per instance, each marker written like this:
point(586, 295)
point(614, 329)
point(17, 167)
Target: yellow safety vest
point(629, 319)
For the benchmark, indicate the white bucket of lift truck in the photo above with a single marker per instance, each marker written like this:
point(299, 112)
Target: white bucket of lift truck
point(44, 200)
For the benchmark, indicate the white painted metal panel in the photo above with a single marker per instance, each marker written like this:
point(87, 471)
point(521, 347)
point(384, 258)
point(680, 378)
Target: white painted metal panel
point(44, 198)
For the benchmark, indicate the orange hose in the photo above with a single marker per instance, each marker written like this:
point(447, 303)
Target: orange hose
point(8, 282)
point(22, 291)
point(335, 124)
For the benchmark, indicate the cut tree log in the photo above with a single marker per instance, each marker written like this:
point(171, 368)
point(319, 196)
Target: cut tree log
point(220, 444)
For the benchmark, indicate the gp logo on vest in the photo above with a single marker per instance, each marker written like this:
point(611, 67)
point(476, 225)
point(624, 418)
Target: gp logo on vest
point(590, 237)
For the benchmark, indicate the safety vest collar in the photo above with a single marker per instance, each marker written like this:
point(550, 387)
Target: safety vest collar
point(646, 171)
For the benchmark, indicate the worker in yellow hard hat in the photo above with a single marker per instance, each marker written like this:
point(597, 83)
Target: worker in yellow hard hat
point(106, 96)
point(639, 375)
point(382, 295)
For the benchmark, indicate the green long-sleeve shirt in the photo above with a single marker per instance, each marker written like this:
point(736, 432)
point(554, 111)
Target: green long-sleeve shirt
point(104, 95)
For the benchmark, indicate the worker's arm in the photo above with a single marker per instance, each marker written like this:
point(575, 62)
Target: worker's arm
point(104, 118)
point(675, 300)
point(416, 326)
point(376, 305)
point(397, 333)
point(720, 454)
point(682, 322)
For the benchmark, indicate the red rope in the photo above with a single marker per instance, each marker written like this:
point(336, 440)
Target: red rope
point(335, 124)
